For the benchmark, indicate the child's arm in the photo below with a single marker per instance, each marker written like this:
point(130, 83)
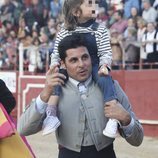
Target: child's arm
point(55, 55)
point(103, 70)
point(104, 47)
point(55, 59)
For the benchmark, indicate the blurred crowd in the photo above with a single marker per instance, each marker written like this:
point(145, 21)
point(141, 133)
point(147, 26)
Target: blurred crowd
point(132, 26)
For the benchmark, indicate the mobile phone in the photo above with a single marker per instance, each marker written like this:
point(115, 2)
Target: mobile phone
point(64, 72)
point(57, 89)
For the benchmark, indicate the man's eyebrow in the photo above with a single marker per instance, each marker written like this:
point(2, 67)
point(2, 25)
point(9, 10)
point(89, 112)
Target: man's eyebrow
point(85, 55)
point(72, 58)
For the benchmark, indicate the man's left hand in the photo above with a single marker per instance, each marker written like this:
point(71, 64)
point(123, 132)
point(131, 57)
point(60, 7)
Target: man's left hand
point(114, 109)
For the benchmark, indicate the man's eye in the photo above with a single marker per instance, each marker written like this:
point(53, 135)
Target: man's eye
point(85, 57)
point(96, 2)
point(73, 60)
point(90, 2)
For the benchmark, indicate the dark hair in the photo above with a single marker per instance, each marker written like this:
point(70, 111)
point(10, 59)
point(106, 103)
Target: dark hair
point(70, 7)
point(69, 42)
point(120, 13)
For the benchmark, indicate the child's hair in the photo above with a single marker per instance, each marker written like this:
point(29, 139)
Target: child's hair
point(69, 8)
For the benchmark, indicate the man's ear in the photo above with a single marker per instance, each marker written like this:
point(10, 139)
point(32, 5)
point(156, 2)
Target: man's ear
point(63, 64)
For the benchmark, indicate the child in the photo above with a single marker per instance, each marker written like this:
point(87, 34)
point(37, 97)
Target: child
point(79, 16)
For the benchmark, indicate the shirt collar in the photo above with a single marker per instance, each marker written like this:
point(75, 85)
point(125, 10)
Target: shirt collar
point(87, 24)
point(75, 82)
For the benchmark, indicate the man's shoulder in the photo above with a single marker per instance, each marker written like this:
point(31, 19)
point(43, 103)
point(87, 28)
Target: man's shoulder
point(116, 83)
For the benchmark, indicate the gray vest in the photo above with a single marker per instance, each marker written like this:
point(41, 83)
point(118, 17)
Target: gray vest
point(75, 111)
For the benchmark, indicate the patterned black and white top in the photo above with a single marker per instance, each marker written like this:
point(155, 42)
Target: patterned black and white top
point(102, 40)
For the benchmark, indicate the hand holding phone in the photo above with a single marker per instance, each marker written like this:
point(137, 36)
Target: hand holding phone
point(57, 89)
point(64, 72)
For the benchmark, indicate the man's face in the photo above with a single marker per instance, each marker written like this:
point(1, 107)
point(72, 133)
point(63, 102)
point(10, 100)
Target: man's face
point(150, 27)
point(78, 63)
point(116, 16)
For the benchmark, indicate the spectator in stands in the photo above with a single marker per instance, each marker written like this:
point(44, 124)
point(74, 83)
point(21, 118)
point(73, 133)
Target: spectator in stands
point(120, 23)
point(2, 35)
point(9, 26)
point(7, 11)
point(115, 40)
point(22, 29)
point(35, 13)
point(132, 51)
point(150, 44)
point(128, 5)
point(135, 15)
point(51, 25)
point(61, 2)
point(55, 9)
point(11, 51)
point(18, 11)
point(33, 56)
point(43, 49)
point(103, 4)
point(131, 24)
point(27, 3)
point(102, 17)
point(2, 59)
point(110, 16)
point(44, 35)
point(149, 13)
point(46, 4)
point(35, 34)
point(141, 25)
point(117, 4)
point(25, 38)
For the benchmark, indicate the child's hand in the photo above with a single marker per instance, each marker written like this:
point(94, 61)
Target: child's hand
point(103, 70)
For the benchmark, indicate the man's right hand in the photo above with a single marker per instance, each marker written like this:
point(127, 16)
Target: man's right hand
point(53, 78)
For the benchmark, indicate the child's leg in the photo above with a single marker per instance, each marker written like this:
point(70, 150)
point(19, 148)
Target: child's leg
point(51, 122)
point(106, 85)
point(53, 101)
point(52, 105)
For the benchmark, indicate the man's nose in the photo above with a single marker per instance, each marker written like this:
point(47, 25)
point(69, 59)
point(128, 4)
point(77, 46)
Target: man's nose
point(81, 63)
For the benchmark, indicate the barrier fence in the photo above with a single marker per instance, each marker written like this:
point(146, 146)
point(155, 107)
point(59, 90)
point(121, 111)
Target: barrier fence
point(36, 59)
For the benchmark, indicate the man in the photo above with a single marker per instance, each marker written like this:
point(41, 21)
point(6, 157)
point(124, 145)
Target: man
point(120, 23)
point(150, 45)
point(6, 97)
point(81, 112)
point(149, 13)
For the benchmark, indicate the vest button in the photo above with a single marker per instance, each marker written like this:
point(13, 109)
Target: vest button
point(82, 121)
point(84, 96)
point(80, 134)
point(82, 109)
point(78, 146)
